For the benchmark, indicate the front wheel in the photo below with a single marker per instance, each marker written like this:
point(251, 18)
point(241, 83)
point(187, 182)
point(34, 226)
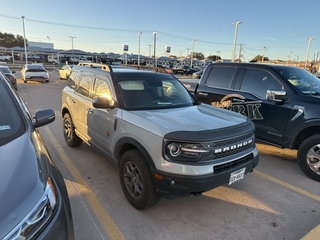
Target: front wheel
point(136, 180)
point(309, 157)
point(69, 133)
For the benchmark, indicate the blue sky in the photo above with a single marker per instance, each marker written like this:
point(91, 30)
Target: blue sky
point(281, 26)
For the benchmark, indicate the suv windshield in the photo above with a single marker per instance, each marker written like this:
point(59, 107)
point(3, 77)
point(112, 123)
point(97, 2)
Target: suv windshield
point(301, 80)
point(11, 125)
point(146, 93)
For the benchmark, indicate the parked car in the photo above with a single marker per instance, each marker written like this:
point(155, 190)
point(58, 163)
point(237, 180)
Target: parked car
point(9, 75)
point(164, 143)
point(35, 72)
point(5, 58)
point(197, 75)
point(64, 71)
point(33, 194)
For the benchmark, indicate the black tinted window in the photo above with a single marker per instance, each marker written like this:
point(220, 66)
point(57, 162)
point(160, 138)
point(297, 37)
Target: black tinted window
point(258, 82)
point(11, 124)
point(220, 77)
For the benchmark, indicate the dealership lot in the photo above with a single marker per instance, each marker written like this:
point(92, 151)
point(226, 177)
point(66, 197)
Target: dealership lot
point(276, 201)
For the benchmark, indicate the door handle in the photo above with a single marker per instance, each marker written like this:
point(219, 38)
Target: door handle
point(203, 94)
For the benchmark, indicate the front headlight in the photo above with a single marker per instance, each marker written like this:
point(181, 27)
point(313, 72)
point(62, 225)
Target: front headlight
point(38, 216)
point(189, 152)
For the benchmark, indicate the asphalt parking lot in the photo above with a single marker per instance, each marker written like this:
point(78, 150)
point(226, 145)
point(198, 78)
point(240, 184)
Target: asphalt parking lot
point(276, 201)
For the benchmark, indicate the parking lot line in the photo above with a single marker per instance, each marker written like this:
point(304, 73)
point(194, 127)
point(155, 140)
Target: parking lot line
point(104, 218)
point(287, 185)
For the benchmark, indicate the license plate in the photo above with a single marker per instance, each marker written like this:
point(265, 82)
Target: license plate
point(237, 176)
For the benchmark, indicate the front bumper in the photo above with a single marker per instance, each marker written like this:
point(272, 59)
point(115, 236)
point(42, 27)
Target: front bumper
point(174, 186)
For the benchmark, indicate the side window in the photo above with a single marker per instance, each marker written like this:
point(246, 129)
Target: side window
point(220, 77)
point(101, 89)
point(84, 85)
point(73, 80)
point(258, 82)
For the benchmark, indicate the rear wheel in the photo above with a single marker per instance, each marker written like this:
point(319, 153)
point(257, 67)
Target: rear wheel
point(69, 133)
point(136, 180)
point(309, 157)
point(47, 80)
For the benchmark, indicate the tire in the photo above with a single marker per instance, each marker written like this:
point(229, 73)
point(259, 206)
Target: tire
point(136, 180)
point(69, 133)
point(47, 81)
point(309, 157)
point(25, 81)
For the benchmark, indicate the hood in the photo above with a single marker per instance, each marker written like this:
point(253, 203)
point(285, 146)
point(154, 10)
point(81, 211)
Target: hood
point(195, 118)
point(20, 183)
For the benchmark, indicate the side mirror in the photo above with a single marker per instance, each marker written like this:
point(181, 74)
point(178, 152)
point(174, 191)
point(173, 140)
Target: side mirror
point(43, 117)
point(276, 95)
point(104, 103)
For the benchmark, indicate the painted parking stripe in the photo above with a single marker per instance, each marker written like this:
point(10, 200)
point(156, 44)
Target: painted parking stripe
point(287, 185)
point(104, 218)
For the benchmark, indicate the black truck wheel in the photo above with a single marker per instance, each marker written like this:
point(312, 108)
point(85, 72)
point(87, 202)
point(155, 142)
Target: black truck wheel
point(309, 157)
point(69, 132)
point(136, 180)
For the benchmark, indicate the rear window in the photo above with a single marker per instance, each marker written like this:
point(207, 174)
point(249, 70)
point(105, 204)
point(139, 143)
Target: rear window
point(35, 67)
point(221, 77)
point(5, 69)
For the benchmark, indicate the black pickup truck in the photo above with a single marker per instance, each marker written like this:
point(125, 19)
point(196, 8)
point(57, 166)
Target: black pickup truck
point(282, 101)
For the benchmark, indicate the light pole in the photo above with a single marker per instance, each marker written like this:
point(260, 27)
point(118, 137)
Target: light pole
point(49, 41)
point(218, 55)
point(24, 40)
point(307, 56)
point(235, 39)
point(72, 45)
point(139, 48)
point(297, 59)
point(192, 51)
point(288, 57)
point(154, 48)
point(150, 45)
point(264, 51)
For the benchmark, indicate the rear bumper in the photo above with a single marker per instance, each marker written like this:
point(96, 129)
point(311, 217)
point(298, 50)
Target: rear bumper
point(173, 186)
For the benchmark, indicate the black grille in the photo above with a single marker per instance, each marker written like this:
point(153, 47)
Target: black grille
point(231, 165)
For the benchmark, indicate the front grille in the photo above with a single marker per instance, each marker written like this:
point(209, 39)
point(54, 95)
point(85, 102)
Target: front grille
point(228, 147)
point(231, 165)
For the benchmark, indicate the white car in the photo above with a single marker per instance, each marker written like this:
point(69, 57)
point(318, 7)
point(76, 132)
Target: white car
point(64, 72)
point(34, 72)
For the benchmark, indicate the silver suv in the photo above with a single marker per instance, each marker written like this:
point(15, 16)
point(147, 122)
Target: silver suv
point(165, 143)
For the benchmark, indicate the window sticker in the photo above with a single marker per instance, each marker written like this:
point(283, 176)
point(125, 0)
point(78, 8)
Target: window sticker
point(5, 127)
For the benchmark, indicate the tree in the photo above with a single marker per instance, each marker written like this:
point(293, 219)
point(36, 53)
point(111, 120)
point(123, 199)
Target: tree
point(8, 40)
point(196, 55)
point(258, 58)
point(214, 57)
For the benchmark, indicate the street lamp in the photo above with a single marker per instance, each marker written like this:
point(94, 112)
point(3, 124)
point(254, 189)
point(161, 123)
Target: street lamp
point(72, 45)
point(24, 40)
point(192, 51)
point(49, 42)
point(235, 39)
point(307, 56)
point(288, 57)
point(297, 59)
point(264, 51)
point(150, 45)
point(139, 48)
point(154, 48)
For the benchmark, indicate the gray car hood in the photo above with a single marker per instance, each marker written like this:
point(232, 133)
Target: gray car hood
point(196, 118)
point(20, 185)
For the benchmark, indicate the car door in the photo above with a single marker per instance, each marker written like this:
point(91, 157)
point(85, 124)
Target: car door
point(80, 100)
point(270, 117)
point(101, 122)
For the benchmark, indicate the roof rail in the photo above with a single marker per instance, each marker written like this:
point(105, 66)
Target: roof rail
point(149, 68)
point(103, 66)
